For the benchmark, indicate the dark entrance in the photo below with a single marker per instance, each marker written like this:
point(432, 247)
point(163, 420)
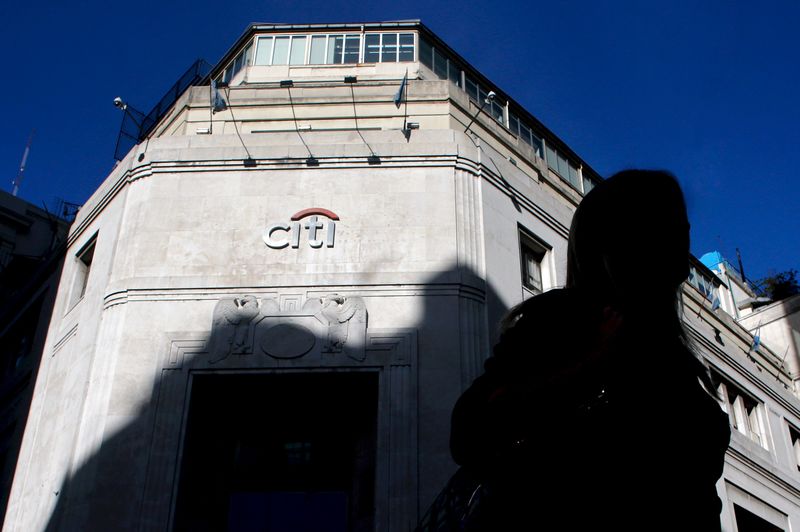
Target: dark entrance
point(279, 453)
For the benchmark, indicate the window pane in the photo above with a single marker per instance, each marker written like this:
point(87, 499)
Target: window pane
point(248, 55)
point(281, 52)
point(406, 47)
point(552, 160)
point(298, 56)
point(425, 53)
point(513, 124)
point(532, 256)
point(454, 73)
point(372, 46)
point(536, 142)
point(525, 133)
point(389, 51)
point(264, 51)
point(533, 272)
point(317, 50)
point(471, 87)
point(563, 165)
point(482, 95)
point(237, 64)
point(497, 111)
point(352, 44)
point(335, 49)
point(439, 64)
point(573, 176)
point(588, 185)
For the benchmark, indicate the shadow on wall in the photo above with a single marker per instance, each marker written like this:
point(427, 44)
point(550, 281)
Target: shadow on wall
point(295, 412)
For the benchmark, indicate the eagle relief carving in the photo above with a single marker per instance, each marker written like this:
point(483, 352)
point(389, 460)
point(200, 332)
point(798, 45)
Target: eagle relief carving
point(346, 318)
point(232, 327)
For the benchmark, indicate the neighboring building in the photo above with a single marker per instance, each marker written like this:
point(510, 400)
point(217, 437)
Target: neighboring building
point(267, 312)
point(32, 243)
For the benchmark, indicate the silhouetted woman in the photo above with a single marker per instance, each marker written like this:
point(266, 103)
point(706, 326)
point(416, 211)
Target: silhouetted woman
point(593, 412)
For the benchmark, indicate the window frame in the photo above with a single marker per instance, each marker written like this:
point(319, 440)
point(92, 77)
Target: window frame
point(528, 244)
point(745, 413)
point(82, 271)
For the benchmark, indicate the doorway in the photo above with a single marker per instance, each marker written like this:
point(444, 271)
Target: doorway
point(279, 453)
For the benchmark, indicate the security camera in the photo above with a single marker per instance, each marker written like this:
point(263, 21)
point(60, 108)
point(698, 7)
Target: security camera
point(490, 96)
point(119, 103)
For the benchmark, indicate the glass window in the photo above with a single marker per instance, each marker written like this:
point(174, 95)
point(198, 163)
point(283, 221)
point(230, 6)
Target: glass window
point(454, 73)
point(406, 47)
point(83, 268)
point(372, 47)
point(552, 160)
point(573, 177)
point(471, 88)
point(563, 166)
point(237, 63)
point(588, 184)
point(532, 256)
point(248, 55)
point(317, 56)
point(352, 45)
point(264, 51)
point(513, 124)
point(497, 111)
point(744, 411)
point(85, 265)
point(389, 48)
point(425, 53)
point(794, 434)
point(298, 55)
point(439, 64)
point(525, 132)
point(482, 95)
point(536, 142)
point(280, 54)
point(747, 521)
point(335, 49)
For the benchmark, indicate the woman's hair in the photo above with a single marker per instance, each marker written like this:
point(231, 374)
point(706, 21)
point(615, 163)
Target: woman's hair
point(633, 225)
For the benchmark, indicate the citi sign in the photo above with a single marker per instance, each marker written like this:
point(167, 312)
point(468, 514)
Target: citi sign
point(281, 235)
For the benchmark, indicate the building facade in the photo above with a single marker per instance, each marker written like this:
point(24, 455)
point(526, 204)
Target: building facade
point(270, 306)
point(32, 244)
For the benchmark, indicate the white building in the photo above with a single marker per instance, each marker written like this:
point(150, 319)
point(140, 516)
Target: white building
point(267, 312)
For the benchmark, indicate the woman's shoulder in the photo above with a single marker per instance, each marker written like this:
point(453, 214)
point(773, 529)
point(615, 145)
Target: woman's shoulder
point(557, 307)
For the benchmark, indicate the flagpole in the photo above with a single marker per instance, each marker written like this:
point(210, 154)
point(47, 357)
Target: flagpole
point(405, 110)
point(211, 107)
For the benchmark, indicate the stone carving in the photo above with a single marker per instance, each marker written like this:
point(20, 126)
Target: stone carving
point(287, 340)
point(346, 319)
point(339, 322)
point(232, 327)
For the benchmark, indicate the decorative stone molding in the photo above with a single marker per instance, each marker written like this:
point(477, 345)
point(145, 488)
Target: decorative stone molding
point(328, 332)
point(283, 330)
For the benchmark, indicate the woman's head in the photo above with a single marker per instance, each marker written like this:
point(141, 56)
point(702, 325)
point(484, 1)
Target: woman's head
point(629, 240)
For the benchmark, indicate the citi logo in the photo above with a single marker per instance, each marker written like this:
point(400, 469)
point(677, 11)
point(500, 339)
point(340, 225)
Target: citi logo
point(281, 235)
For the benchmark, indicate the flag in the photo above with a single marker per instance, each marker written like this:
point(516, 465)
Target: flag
point(756, 342)
point(400, 94)
point(217, 101)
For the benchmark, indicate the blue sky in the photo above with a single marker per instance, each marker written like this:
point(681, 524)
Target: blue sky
point(706, 89)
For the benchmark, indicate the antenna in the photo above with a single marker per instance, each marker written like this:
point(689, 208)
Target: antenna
point(741, 266)
point(21, 174)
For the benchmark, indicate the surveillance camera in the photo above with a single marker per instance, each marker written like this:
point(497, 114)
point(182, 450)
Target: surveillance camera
point(119, 103)
point(490, 96)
